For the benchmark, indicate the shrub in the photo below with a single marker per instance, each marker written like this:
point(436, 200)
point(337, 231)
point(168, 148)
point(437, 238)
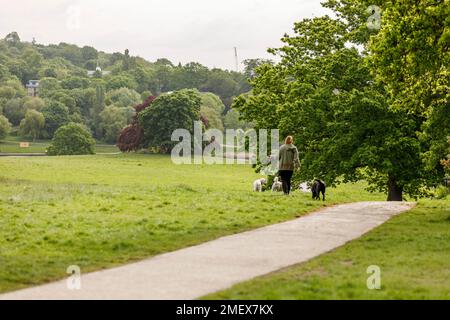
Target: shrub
point(441, 192)
point(71, 139)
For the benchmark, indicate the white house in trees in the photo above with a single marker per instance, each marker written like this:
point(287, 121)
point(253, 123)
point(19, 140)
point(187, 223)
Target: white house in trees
point(32, 88)
point(91, 73)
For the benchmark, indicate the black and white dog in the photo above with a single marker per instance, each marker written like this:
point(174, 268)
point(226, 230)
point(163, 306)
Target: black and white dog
point(317, 188)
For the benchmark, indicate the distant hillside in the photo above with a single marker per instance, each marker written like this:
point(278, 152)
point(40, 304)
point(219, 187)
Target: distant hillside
point(30, 61)
point(98, 89)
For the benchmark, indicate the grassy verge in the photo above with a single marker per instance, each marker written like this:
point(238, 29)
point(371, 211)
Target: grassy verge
point(101, 211)
point(12, 145)
point(412, 250)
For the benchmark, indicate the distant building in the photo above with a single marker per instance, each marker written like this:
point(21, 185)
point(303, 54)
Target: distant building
point(91, 73)
point(32, 88)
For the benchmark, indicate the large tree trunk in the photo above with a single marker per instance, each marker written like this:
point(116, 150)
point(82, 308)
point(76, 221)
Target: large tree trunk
point(395, 192)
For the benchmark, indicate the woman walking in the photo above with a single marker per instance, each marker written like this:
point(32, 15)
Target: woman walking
point(289, 161)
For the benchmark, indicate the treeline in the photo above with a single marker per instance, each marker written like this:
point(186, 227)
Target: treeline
point(103, 99)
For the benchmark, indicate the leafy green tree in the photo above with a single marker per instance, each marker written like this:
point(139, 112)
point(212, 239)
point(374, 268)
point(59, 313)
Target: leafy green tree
point(250, 71)
point(5, 127)
point(190, 76)
point(99, 106)
point(89, 53)
point(47, 72)
point(145, 79)
point(167, 113)
point(411, 58)
point(18, 68)
point(47, 86)
point(126, 60)
point(75, 83)
point(34, 103)
point(71, 139)
point(164, 62)
point(233, 121)
point(85, 99)
point(7, 93)
point(70, 52)
point(90, 65)
point(95, 82)
point(14, 110)
point(251, 66)
point(222, 84)
point(33, 60)
point(113, 120)
point(56, 115)
point(123, 97)
point(120, 81)
point(212, 109)
point(58, 68)
point(4, 72)
point(163, 75)
point(33, 124)
point(14, 83)
point(323, 92)
point(77, 118)
point(64, 97)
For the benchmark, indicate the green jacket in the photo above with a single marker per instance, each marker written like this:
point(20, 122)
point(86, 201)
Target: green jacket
point(289, 157)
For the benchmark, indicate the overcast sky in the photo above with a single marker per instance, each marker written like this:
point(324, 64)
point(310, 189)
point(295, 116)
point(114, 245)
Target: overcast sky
point(180, 30)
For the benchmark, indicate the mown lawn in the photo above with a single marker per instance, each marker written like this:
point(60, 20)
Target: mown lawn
point(412, 251)
point(12, 145)
point(105, 210)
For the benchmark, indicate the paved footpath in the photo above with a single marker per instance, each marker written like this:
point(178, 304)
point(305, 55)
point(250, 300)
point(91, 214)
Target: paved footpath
point(196, 271)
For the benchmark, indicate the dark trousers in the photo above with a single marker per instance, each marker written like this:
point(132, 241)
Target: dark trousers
point(286, 176)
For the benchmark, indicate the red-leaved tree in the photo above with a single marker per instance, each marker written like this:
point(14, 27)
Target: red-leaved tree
point(130, 138)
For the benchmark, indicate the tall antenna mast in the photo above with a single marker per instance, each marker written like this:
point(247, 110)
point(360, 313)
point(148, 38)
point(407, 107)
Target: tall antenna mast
point(236, 58)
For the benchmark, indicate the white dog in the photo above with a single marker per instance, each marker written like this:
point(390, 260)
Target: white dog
point(258, 185)
point(277, 185)
point(304, 187)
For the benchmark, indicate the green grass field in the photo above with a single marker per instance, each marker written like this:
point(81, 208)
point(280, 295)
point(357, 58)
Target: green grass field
point(12, 145)
point(105, 210)
point(412, 250)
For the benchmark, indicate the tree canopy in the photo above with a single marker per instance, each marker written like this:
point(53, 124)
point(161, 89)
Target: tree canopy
point(349, 94)
point(33, 124)
point(177, 110)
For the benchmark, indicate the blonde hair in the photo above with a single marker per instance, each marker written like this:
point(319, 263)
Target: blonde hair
point(289, 140)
